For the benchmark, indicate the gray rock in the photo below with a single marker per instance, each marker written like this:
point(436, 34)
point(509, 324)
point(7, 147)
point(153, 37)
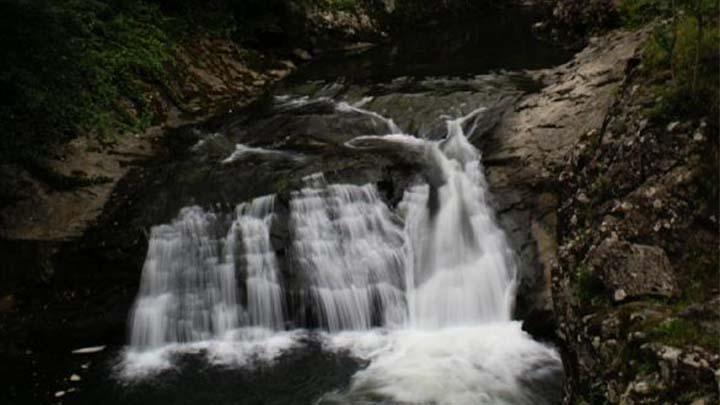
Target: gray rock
point(301, 54)
point(673, 126)
point(632, 270)
point(389, 6)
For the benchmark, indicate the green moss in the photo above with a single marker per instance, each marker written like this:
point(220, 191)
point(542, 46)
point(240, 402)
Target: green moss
point(282, 185)
point(594, 395)
point(681, 332)
point(343, 5)
point(590, 289)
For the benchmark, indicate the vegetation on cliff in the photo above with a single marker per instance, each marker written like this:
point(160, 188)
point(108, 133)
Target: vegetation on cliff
point(68, 64)
point(681, 55)
point(85, 66)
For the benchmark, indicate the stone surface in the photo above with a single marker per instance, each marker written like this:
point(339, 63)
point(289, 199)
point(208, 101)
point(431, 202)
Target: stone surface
point(301, 54)
point(530, 143)
point(636, 274)
point(633, 270)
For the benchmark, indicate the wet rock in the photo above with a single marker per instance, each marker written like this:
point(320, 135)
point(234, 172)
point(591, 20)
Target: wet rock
point(301, 54)
point(540, 325)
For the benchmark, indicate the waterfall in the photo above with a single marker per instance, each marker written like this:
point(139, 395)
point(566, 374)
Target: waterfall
point(264, 292)
point(189, 288)
point(350, 250)
point(466, 274)
point(184, 295)
point(460, 269)
point(438, 261)
point(423, 291)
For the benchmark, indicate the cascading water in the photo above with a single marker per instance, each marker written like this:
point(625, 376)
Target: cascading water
point(187, 290)
point(459, 345)
point(350, 251)
point(424, 292)
point(465, 274)
point(264, 292)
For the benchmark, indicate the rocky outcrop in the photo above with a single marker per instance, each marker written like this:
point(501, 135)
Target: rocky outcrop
point(636, 276)
point(631, 271)
point(529, 145)
point(326, 20)
point(614, 213)
point(408, 14)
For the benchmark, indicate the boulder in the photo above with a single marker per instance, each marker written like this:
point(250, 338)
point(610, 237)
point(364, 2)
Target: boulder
point(630, 270)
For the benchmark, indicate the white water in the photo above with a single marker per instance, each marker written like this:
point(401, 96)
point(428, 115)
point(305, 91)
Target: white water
point(189, 288)
point(242, 151)
point(489, 363)
point(264, 292)
point(425, 292)
point(350, 250)
point(184, 294)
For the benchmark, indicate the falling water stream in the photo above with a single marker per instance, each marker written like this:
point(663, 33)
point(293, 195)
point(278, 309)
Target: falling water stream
point(422, 291)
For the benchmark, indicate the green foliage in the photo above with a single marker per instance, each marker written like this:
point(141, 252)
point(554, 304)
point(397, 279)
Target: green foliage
point(689, 53)
point(684, 45)
point(69, 63)
point(590, 289)
point(681, 332)
point(343, 5)
point(637, 12)
point(71, 67)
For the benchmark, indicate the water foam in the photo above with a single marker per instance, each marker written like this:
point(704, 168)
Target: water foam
point(492, 363)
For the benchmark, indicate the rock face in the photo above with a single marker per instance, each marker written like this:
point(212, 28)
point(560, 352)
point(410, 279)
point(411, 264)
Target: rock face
point(615, 218)
point(529, 145)
point(632, 270)
point(636, 274)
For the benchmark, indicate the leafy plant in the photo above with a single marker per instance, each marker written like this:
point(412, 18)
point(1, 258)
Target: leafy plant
point(684, 44)
point(69, 63)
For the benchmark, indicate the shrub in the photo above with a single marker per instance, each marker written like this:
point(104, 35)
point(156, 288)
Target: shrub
point(68, 62)
point(684, 45)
